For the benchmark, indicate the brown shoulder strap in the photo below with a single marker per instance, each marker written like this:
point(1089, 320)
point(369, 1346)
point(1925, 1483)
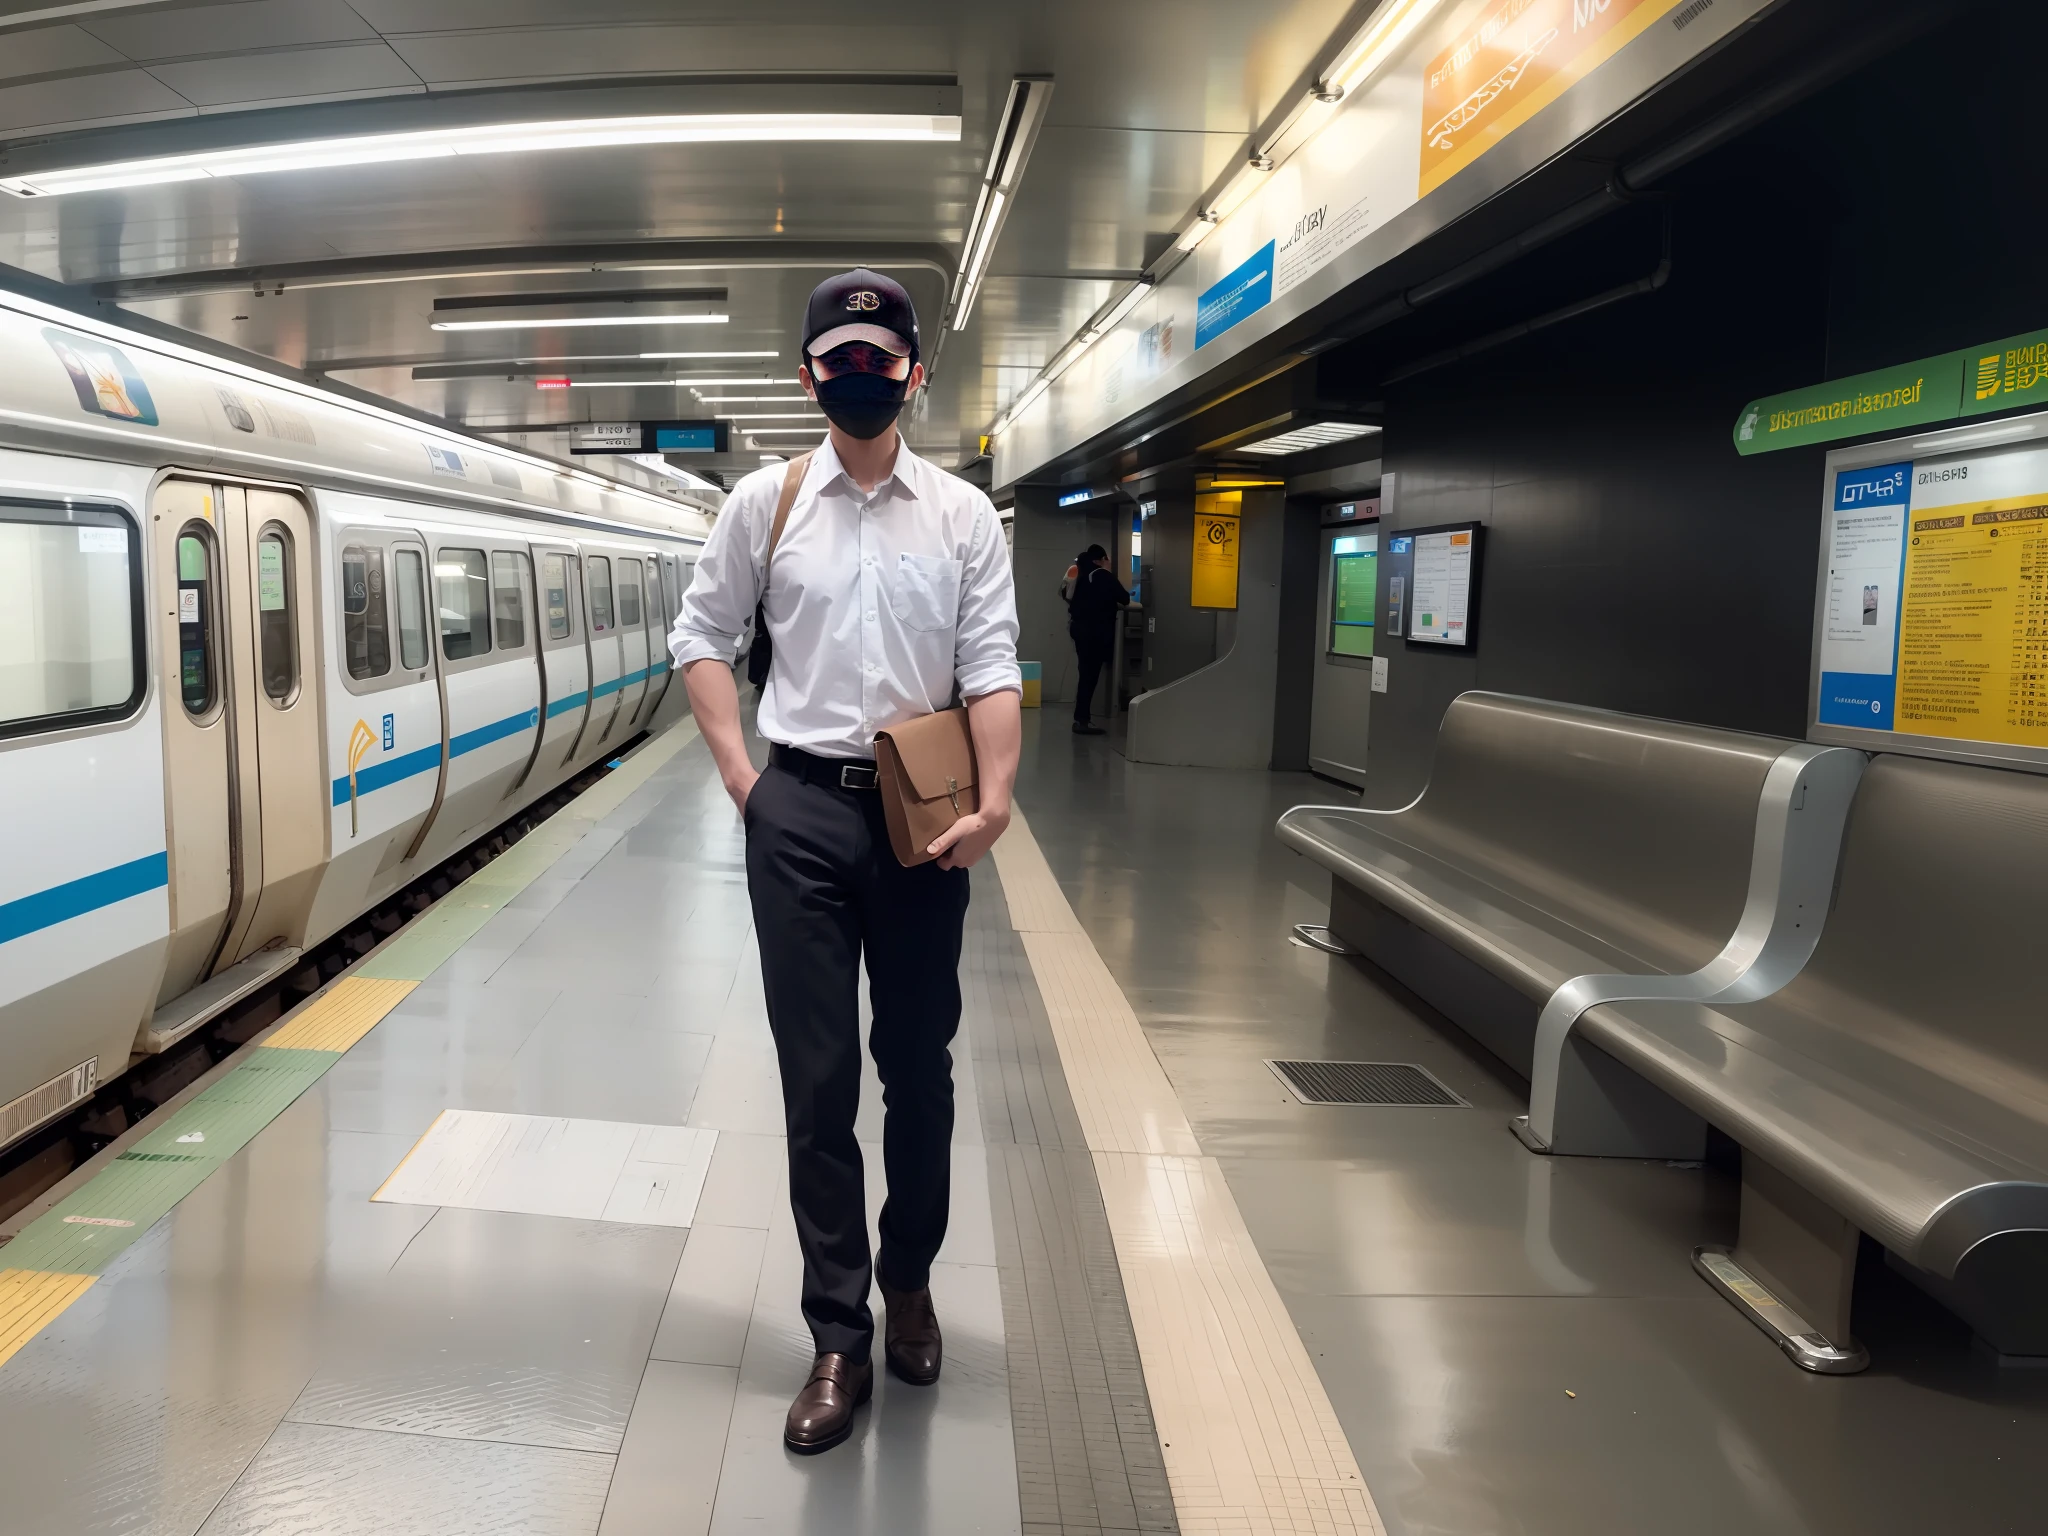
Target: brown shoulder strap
point(792, 482)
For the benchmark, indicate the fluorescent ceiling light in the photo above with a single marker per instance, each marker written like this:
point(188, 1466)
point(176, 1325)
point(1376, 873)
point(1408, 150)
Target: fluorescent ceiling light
point(750, 399)
point(1123, 307)
point(1391, 26)
point(1240, 186)
point(700, 356)
point(781, 431)
point(1318, 434)
point(1197, 232)
point(1016, 130)
point(489, 139)
point(764, 416)
point(577, 320)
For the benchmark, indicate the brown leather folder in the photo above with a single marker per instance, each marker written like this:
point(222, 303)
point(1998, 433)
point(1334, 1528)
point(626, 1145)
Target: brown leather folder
point(926, 773)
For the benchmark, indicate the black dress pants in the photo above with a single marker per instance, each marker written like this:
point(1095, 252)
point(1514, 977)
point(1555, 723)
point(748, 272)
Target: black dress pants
point(827, 890)
point(1092, 653)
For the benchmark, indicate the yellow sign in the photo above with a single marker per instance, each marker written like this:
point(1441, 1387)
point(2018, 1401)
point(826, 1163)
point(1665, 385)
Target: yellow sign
point(1214, 583)
point(1973, 623)
point(1509, 61)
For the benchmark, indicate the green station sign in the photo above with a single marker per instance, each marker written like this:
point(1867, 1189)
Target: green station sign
point(1975, 381)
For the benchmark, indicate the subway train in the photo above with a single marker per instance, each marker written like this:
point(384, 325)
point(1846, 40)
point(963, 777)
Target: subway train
point(267, 654)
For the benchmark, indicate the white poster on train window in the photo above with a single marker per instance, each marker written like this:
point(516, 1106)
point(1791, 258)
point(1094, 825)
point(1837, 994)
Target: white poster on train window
point(1440, 588)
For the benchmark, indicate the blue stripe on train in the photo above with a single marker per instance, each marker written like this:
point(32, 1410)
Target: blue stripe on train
point(563, 706)
point(619, 682)
point(427, 759)
point(75, 898)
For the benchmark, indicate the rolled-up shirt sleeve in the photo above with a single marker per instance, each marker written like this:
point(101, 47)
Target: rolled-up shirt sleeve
point(718, 609)
point(985, 640)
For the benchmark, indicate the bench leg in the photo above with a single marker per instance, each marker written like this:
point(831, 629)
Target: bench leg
point(1792, 1272)
point(1602, 1109)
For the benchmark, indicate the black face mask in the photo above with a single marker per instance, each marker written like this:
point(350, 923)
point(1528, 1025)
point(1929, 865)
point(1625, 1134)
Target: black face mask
point(861, 404)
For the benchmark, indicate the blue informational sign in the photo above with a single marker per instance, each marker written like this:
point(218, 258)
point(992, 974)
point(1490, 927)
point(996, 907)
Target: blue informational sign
point(1075, 498)
point(691, 439)
point(1859, 640)
point(1244, 290)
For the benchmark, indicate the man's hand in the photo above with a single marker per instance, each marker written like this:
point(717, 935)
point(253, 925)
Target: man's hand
point(961, 845)
point(741, 785)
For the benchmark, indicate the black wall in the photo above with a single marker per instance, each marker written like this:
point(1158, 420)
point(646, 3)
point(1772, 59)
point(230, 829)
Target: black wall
point(1634, 560)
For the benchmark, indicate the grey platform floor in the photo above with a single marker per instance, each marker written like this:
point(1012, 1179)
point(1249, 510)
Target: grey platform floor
point(1450, 1286)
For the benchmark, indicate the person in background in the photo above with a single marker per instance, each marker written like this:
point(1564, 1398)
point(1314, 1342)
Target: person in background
point(1098, 597)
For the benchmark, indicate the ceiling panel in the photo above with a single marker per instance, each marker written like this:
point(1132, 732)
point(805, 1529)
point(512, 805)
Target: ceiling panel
point(176, 34)
point(587, 50)
point(1092, 195)
point(294, 74)
point(123, 96)
point(50, 49)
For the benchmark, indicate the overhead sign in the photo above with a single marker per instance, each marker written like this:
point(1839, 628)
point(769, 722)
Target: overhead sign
point(653, 437)
point(1075, 498)
point(1932, 622)
point(1213, 582)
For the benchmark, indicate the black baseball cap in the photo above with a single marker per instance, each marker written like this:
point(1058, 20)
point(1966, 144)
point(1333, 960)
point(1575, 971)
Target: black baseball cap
point(860, 306)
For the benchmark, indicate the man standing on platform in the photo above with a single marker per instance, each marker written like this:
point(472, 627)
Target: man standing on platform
point(887, 596)
point(1092, 611)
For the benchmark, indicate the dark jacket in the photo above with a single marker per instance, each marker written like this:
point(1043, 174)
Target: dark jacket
point(1092, 610)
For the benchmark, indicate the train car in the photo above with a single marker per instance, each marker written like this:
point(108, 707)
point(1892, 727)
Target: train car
point(267, 654)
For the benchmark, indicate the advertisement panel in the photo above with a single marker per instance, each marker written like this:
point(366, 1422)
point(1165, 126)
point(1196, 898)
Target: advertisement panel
point(1213, 583)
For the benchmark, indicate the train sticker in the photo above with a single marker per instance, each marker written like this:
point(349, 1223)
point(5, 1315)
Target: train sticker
point(106, 382)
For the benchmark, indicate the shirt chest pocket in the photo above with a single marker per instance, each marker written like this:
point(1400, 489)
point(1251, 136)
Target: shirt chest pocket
point(924, 591)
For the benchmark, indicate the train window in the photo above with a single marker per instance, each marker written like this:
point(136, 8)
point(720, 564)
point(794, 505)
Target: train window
point(277, 641)
point(464, 599)
point(508, 598)
point(629, 593)
point(71, 632)
point(411, 576)
point(198, 648)
point(365, 632)
point(554, 574)
point(600, 594)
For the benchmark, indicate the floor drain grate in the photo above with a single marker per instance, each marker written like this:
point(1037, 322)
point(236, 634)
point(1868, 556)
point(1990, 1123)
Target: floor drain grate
point(1363, 1082)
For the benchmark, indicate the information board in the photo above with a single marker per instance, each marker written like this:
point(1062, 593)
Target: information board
point(1354, 590)
point(1931, 623)
point(1442, 580)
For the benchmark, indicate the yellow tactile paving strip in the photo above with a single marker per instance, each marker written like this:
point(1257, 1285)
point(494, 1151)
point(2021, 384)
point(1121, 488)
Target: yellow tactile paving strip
point(28, 1300)
point(341, 1016)
point(1251, 1443)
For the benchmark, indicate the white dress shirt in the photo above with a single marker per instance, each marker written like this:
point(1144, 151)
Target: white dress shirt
point(881, 606)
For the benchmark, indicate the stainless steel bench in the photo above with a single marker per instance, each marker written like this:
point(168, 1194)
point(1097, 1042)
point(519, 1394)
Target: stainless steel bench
point(1562, 856)
point(1898, 1085)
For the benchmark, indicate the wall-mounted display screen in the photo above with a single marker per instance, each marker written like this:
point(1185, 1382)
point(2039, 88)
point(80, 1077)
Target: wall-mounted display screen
point(1931, 619)
point(1433, 584)
point(1354, 586)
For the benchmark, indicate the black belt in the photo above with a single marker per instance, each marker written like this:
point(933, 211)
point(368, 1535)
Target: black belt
point(832, 772)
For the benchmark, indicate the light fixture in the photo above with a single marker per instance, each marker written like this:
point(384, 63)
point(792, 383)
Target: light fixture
point(566, 321)
point(1391, 26)
point(773, 458)
point(620, 384)
point(1009, 150)
point(489, 139)
point(701, 356)
point(763, 415)
point(782, 431)
point(1203, 226)
point(1240, 186)
point(1316, 434)
point(704, 399)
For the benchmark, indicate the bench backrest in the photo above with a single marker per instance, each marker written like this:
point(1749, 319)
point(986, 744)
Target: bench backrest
point(1933, 949)
point(1632, 827)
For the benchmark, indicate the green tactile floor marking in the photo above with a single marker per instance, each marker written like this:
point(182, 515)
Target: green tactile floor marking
point(83, 1233)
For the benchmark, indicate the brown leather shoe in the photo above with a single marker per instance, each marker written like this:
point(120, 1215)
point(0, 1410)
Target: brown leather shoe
point(911, 1343)
point(822, 1414)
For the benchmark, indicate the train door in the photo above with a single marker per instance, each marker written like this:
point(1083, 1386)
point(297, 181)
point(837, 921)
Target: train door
point(663, 677)
point(490, 686)
point(242, 744)
point(566, 653)
point(199, 800)
point(630, 585)
point(607, 672)
point(278, 692)
point(1340, 709)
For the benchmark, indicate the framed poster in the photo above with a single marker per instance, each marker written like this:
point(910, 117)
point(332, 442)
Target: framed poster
point(1930, 625)
point(1213, 582)
point(1433, 584)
